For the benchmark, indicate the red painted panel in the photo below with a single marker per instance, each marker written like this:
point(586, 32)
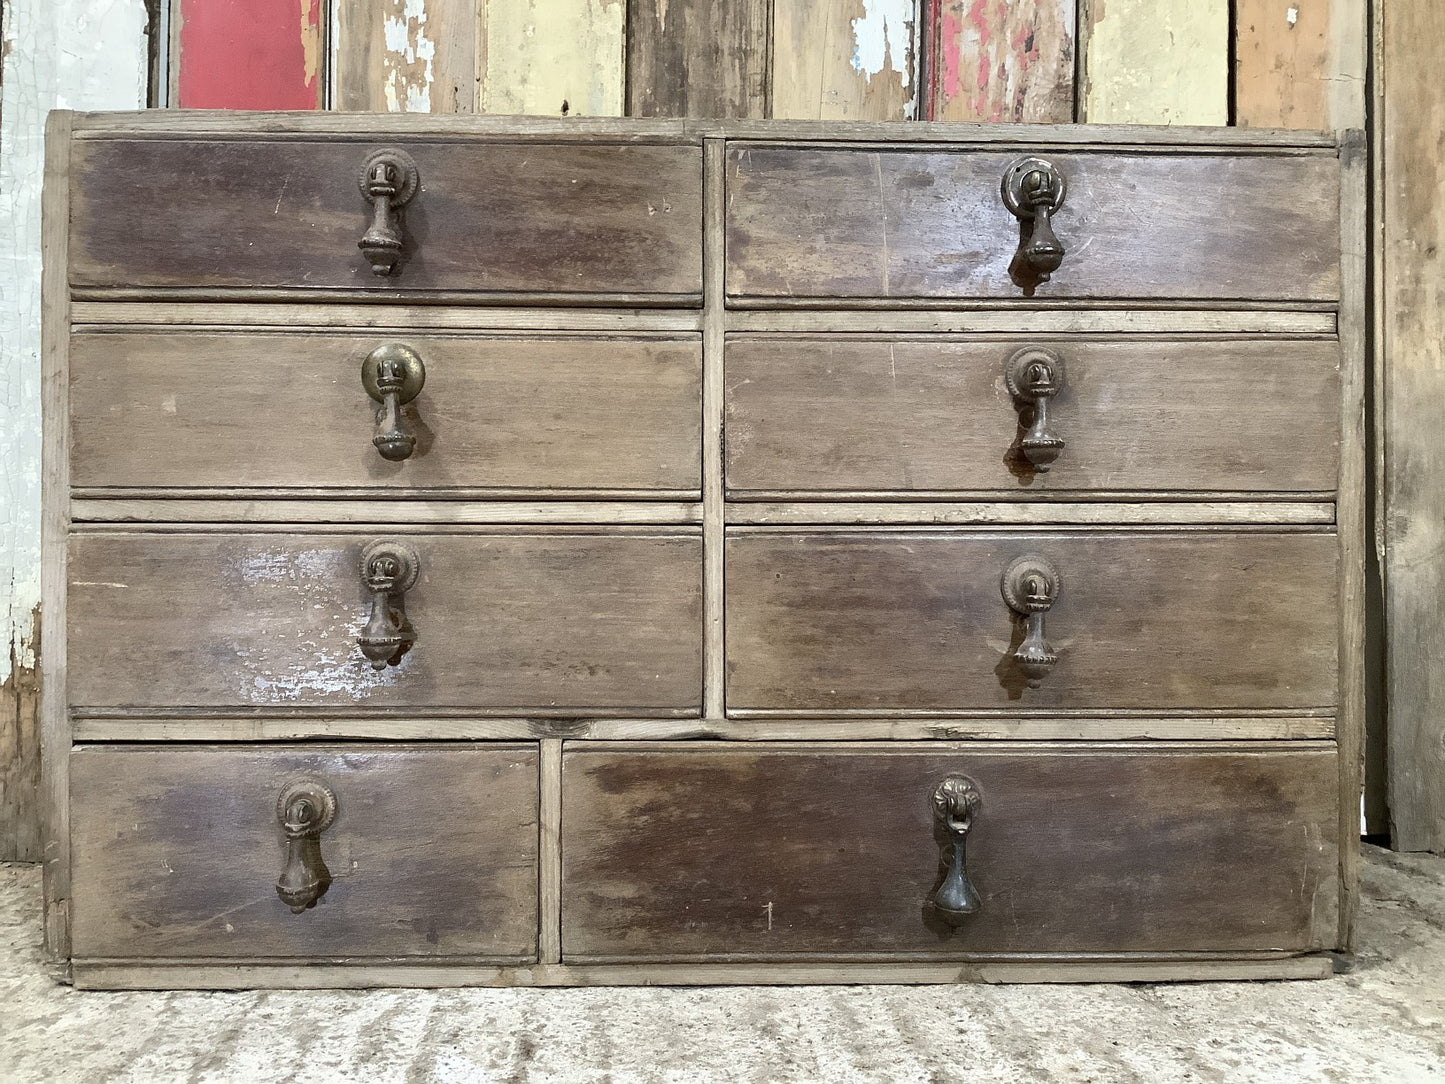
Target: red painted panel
point(250, 54)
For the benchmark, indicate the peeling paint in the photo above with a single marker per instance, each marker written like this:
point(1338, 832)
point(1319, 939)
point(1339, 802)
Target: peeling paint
point(409, 63)
point(883, 38)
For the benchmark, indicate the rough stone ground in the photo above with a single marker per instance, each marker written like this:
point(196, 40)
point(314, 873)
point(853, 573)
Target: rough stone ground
point(1384, 1021)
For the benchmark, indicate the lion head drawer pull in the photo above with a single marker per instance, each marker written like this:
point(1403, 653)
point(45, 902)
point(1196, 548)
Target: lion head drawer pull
point(388, 569)
point(389, 179)
point(1034, 376)
point(393, 375)
point(1034, 190)
point(956, 802)
point(305, 808)
point(1030, 587)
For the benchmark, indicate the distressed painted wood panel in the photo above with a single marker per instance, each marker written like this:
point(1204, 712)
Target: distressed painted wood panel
point(249, 54)
point(1413, 331)
point(1282, 55)
point(407, 56)
point(698, 59)
point(845, 59)
point(558, 57)
point(1155, 61)
point(1004, 60)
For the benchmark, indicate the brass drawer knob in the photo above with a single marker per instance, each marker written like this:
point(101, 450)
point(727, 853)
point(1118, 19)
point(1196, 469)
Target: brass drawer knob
point(956, 803)
point(389, 179)
point(1033, 190)
point(306, 807)
point(1031, 586)
point(1033, 377)
point(393, 375)
point(388, 570)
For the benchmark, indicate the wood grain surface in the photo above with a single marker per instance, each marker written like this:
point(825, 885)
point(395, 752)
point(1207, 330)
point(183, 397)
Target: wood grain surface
point(712, 853)
point(557, 622)
point(1004, 60)
point(844, 60)
point(915, 620)
point(815, 223)
point(499, 218)
point(907, 415)
point(433, 852)
point(412, 56)
point(288, 409)
point(698, 60)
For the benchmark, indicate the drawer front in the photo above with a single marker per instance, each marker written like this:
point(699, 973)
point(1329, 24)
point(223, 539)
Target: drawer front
point(431, 852)
point(557, 622)
point(495, 412)
point(917, 620)
point(899, 223)
point(911, 416)
point(776, 851)
point(531, 217)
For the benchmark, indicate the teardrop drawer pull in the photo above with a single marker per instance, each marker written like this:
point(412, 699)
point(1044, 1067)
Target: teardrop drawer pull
point(1033, 190)
point(1031, 586)
point(956, 804)
point(1034, 376)
point(305, 809)
point(388, 570)
point(389, 179)
point(393, 375)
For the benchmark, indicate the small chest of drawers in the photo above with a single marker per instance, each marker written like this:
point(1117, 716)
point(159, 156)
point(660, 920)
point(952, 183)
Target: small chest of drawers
point(483, 550)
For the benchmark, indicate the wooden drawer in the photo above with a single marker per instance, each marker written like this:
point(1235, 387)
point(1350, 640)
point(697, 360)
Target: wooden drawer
point(696, 851)
point(432, 852)
point(924, 222)
point(923, 416)
point(915, 620)
point(559, 621)
point(503, 218)
point(502, 414)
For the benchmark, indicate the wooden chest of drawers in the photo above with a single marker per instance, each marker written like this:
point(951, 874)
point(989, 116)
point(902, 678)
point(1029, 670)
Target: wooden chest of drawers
point(483, 550)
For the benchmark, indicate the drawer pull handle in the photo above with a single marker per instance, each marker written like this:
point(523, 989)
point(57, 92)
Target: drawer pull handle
point(389, 179)
point(956, 802)
point(1034, 377)
point(1034, 190)
point(393, 375)
point(305, 808)
point(1030, 587)
point(388, 569)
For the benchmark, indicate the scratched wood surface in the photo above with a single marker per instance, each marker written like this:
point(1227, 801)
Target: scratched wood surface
point(845, 60)
point(433, 852)
point(1004, 60)
point(407, 56)
point(553, 621)
point(1154, 61)
point(557, 57)
point(696, 852)
point(1413, 385)
point(707, 59)
point(248, 54)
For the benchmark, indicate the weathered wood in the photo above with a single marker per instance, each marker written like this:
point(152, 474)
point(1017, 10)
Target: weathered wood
point(843, 414)
point(692, 852)
point(1413, 206)
point(858, 509)
point(698, 59)
point(549, 856)
point(21, 832)
point(1004, 60)
point(433, 852)
point(850, 60)
point(559, 57)
point(409, 318)
point(913, 620)
point(552, 620)
point(502, 218)
point(414, 56)
point(459, 508)
point(818, 223)
point(1001, 317)
point(260, 54)
point(715, 216)
point(1154, 61)
point(1299, 65)
point(499, 414)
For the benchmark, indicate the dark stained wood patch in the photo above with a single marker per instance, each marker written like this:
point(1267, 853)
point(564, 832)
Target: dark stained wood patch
point(910, 620)
point(432, 853)
point(697, 59)
point(698, 852)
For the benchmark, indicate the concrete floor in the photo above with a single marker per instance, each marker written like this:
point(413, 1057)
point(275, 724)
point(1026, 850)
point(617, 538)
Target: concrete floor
point(1384, 1021)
